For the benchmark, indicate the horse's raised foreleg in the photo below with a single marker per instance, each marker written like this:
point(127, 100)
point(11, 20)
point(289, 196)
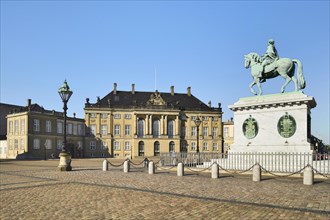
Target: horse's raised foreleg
point(251, 89)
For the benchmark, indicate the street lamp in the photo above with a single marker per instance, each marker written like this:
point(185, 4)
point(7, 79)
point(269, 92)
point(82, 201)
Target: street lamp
point(65, 156)
point(197, 123)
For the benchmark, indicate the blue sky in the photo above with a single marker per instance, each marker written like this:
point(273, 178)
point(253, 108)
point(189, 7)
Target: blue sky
point(201, 44)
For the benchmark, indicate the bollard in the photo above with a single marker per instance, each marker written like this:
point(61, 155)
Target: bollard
point(256, 173)
point(180, 170)
point(105, 165)
point(308, 176)
point(215, 171)
point(151, 168)
point(126, 166)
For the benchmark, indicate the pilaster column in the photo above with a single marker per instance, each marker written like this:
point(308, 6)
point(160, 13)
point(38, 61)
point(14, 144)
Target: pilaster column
point(146, 126)
point(165, 127)
point(150, 124)
point(135, 121)
point(161, 124)
point(177, 125)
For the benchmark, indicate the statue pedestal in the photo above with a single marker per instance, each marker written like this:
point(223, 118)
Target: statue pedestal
point(65, 162)
point(273, 123)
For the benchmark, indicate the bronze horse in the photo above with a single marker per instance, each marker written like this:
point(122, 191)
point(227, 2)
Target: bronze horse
point(282, 67)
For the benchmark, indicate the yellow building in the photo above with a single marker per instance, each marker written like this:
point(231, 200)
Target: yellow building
point(228, 134)
point(130, 124)
point(36, 133)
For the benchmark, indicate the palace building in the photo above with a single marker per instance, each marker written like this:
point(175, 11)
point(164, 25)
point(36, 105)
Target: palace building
point(36, 133)
point(130, 124)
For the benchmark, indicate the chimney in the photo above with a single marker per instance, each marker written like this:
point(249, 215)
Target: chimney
point(28, 102)
point(189, 91)
point(210, 104)
point(115, 88)
point(172, 90)
point(133, 89)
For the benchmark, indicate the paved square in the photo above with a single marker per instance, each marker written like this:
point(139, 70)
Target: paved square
point(35, 190)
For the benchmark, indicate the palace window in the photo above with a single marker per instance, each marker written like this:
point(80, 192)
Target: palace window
point(104, 129)
point(127, 145)
point(155, 128)
point(22, 126)
point(36, 125)
point(92, 145)
point(170, 129)
point(93, 115)
point(36, 144)
point(226, 132)
point(205, 131)
point(140, 128)
point(59, 144)
point(93, 129)
point(171, 147)
point(48, 126)
point(127, 130)
point(116, 145)
point(117, 129)
point(193, 146)
point(104, 145)
point(141, 148)
point(16, 126)
point(194, 131)
point(10, 127)
point(205, 146)
point(214, 131)
point(117, 116)
point(128, 116)
point(80, 129)
point(48, 144)
point(69, 128)
point(215, 146)
point(59, 127)
point(156, 148)
point(104, 115)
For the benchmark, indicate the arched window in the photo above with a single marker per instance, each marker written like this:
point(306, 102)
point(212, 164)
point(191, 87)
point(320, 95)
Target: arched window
point(140, 128)
point(155, 128)
point(171, 147)
point(141, 148)
point(183, 146)
point(156, 148)
point(170, 129)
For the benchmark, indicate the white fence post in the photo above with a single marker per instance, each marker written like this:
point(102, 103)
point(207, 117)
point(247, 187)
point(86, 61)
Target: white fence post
point(308, 176)
point(180, 169)
point(151, 168)
point(256, 177)
point(105, 165)
point(126, 166)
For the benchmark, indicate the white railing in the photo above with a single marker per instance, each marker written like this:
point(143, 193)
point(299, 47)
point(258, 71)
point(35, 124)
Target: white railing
point(274, 162)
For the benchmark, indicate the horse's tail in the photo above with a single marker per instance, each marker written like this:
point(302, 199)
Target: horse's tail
point(301, 78)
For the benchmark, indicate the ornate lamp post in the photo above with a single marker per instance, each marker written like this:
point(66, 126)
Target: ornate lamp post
point(197, 123)
point(65, 156)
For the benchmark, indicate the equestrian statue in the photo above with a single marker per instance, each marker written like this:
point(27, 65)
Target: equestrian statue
point(270, 65)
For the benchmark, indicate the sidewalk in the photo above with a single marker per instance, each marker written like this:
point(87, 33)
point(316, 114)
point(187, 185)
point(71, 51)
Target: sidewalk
point(35, 190)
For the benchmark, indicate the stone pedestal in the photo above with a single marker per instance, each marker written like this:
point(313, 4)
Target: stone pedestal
point(273, 123)
point(65, 162)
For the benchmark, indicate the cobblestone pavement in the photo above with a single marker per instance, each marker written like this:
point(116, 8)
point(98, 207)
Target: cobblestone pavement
point(35, 190)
